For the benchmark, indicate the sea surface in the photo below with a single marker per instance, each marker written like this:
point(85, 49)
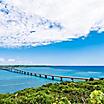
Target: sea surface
point(12, 82)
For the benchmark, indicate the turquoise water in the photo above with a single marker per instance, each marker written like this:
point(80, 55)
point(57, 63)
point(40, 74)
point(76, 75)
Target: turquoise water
point(11, 82)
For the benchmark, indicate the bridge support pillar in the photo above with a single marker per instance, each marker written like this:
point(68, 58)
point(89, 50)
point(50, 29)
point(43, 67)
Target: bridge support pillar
point(60, 78)
point(27, 73)
point(31, 74)
point(35, 74)
point(52, 77)
point(24, 72)
point(39, 75)
point(72, 79)
point(45, 76)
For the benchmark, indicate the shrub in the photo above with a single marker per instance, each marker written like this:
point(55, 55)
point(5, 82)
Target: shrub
point(97, 97)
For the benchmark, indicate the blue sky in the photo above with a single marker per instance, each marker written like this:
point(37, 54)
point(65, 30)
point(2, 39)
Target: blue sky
point(44, 32)
point(87, 51)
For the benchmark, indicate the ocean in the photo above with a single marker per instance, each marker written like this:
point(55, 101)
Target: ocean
point(12, 82)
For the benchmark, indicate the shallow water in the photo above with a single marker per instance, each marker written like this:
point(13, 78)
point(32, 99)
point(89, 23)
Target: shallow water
point(11, 82)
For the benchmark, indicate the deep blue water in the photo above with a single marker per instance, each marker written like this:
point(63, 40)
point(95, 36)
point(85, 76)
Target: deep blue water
point(11, 82)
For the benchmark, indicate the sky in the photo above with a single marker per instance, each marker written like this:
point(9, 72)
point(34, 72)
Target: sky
point(52, 32)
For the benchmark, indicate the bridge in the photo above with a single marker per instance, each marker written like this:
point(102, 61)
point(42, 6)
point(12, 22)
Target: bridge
point(53, 77)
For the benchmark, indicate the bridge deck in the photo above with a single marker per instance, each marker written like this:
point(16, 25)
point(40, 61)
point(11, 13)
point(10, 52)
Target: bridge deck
point(47, 75)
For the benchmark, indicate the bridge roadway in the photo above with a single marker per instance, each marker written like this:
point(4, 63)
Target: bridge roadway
point(19, 71)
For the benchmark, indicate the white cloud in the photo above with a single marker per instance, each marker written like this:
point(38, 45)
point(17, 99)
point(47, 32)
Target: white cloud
point(11, 60)
point(41, 22)
point(2, 59)
point(15, 61)
point(7, 61)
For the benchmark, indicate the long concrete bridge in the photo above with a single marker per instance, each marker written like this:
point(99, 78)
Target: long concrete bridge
point(53, 77)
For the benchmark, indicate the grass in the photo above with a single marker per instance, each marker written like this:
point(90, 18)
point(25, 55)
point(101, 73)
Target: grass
point(91, 92)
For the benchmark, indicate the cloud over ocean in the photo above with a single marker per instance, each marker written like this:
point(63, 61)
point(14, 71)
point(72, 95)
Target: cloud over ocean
point(42, 22)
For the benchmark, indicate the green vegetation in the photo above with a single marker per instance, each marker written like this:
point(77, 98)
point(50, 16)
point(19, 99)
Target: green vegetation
point(91, 92)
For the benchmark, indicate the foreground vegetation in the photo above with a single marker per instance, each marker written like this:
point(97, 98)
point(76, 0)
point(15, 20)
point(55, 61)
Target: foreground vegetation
point(91, 92)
